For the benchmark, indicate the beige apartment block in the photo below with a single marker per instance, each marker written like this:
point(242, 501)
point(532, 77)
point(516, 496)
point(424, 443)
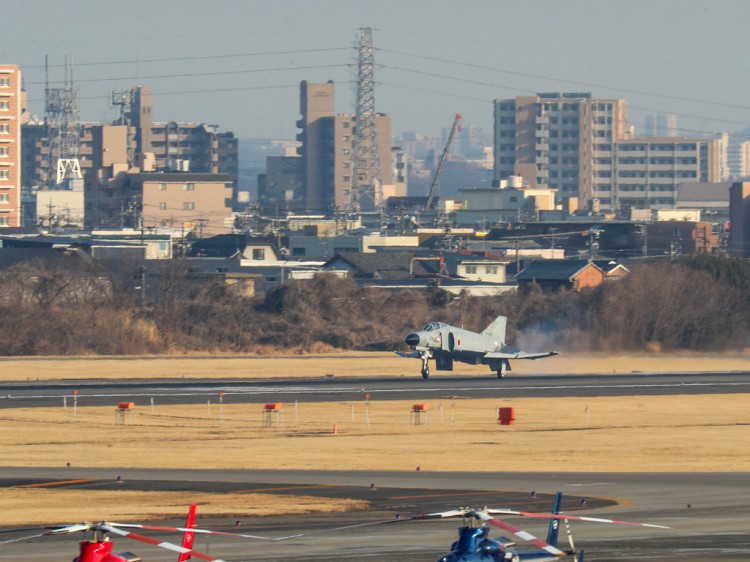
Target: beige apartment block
point(558, 141)
point(10, 145)
point(198, 203)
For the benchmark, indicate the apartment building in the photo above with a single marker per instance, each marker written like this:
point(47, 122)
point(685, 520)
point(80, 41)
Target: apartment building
point(583, 148)
point(200, 203)
point(646, 173)
point(739, 216)
point(327, 149)
point(11, 108)
point(150, 145)
point(557, 141)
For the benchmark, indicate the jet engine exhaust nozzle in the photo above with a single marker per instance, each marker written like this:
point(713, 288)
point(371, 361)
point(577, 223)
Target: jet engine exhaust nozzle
point(413, 340)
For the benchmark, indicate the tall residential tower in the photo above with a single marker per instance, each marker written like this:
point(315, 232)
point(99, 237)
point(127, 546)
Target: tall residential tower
point(11, 108)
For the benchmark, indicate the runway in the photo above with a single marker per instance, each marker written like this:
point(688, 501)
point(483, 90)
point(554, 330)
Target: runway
point(708, 513)
point(187, 391)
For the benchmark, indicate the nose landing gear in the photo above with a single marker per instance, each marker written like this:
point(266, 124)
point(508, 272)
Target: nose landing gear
point(425, 365)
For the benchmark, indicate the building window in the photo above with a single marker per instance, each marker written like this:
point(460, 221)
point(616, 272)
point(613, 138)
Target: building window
point(188, 205)
point(162, 187)
point(471, 270)
point(4, 151)
point(4, 105)
point(162, 206)
point(259, 254)
point(491, 270)
point(4, 82)
point(189, 187)
point(4, 198)
point(3, 221)
point(4, 174)
point(4, 128)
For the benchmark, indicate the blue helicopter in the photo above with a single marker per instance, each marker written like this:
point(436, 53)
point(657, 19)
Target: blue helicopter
point(474, 544)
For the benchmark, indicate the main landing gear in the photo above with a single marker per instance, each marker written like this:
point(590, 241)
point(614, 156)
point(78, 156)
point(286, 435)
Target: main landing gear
point(502, 367)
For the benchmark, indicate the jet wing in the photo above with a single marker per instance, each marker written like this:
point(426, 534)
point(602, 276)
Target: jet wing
point(518, 354)
point(410, 355)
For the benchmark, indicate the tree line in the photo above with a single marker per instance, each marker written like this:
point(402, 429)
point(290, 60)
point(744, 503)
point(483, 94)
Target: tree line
point(69, 307)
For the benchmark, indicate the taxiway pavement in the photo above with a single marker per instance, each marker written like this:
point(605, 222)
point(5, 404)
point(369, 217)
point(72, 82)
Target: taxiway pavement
point(709, 514)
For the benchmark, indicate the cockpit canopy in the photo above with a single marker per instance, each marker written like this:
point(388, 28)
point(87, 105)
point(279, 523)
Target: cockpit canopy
point(432, 326)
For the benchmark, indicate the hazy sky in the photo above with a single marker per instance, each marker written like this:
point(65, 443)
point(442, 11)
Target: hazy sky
point(238, 63)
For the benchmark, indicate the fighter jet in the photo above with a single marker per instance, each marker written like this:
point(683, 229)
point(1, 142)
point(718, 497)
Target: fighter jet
point(446, 344)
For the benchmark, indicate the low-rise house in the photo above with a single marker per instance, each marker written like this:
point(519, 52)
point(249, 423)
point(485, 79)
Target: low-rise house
point(386, 265)
point(556, 275)
point(237, 246)
point(455, 273)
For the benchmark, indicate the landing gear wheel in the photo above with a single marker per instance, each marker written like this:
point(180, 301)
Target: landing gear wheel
point(425, 373)
point(500, 373)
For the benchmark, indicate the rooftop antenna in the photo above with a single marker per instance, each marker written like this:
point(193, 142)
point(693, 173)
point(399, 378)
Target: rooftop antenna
point(124, 100)
point(62, 120)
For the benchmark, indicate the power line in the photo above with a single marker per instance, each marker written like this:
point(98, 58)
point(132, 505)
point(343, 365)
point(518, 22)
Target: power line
point(202, 74)
point(193, 58)
point(527, 91)
point(564, 81)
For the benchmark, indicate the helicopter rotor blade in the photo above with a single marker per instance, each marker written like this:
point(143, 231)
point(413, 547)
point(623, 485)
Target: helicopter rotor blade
point(525, 535)
point(569, 532)
point(162, 544)
point(461, 512)
point(572, 518)
point(67, 529)
point(184, 530)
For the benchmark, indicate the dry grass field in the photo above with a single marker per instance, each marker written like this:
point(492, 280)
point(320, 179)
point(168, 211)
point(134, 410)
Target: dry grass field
point(622, 434)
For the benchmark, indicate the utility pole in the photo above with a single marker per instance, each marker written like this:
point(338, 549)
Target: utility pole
point(643, 231)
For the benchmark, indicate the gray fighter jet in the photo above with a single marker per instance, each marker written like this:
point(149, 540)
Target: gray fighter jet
point(446, 344)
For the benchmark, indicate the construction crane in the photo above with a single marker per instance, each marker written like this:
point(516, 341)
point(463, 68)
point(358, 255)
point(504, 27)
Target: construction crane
point(441, 163)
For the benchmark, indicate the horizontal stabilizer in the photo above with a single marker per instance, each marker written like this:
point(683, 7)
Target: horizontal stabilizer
point(518, 355)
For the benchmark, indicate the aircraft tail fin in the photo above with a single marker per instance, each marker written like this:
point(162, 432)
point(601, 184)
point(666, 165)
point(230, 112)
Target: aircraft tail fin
point(554, 524)
point(187, 540)
point(497, 329)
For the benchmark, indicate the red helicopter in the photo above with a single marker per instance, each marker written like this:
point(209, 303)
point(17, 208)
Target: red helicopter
point(99, 549)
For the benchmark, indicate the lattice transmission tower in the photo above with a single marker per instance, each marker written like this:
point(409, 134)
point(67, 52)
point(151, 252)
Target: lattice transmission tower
point(366, 190)
point(62, 118)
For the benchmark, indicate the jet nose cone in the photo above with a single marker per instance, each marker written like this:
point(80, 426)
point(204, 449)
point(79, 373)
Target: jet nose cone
point(413, 339)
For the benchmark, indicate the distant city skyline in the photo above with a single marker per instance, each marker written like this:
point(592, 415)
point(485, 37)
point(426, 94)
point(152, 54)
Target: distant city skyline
point(238, 64)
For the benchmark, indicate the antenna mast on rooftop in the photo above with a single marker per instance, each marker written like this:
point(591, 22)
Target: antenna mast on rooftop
point(366, 191)
point(62, 120)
